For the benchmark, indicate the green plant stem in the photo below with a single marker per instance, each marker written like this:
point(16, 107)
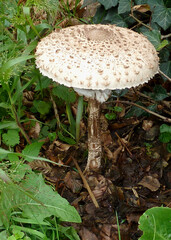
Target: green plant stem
point(21, 127)
point(16, 117)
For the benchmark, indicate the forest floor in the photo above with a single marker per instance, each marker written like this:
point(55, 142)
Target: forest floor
point(135, 173)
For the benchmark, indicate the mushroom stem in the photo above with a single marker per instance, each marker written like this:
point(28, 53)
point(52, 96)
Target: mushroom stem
point(94, 141)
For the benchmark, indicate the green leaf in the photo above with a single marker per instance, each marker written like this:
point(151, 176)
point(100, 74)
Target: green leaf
point(13, 62)
point(69, 232)
point(66, 139)
point(52, 136)
point(3, 235)
point(109, 3)
point(43, 82)
point(162, 16)
point(65, 93)
point(4, 176)
point(5, 105)
point(52, 203)
point(165, 128)
point(79, 117)
point(32, 150)
point(35, 200)
point(124, 6)
point(153, 36)
point(117, 109)
point(166, 68)
point(163, 44)
point(110, 116)
point(42, 107)
point(8, 125)
point(114, 18)
point(165, 137)
point(159, 94)
point(156, 224)
point(11, 138)
point(169, 147)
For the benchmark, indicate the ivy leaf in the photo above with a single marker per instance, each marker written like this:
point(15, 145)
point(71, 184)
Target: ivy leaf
point(65, 93)
point(11, 138)
point(109, 3)
point(153, 36)
point(114, 18)
point(124, 6)
point(166, 68)
point(159, 94)
point(162, 16)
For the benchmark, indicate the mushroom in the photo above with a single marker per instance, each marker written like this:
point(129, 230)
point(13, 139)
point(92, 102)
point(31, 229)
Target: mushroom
point(94, 60)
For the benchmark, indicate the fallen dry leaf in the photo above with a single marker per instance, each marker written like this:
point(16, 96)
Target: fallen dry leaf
point(73, 182)
point(87, 235)
point(106, 231)
point(150, 182)
point(141, 8)
point(62, 146)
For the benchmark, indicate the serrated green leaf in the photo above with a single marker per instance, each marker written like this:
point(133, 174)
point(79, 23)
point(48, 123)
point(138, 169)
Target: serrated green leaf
point(35, 200)
point(32, 150)
point(11, 138)
point(53, 203)
point(65, 93)
point(124, 6)
point(42, 107)
point(155, 224)
point(109, 3)
point(162, 16)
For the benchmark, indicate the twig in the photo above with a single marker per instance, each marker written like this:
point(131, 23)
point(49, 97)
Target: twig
point(162, 73)
point(165, 119)
point(140, 22)
point(123, 144)
point(165, 36)
point(86, 183)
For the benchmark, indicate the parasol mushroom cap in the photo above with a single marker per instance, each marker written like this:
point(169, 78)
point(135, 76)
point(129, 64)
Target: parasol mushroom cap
point(97, 57)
